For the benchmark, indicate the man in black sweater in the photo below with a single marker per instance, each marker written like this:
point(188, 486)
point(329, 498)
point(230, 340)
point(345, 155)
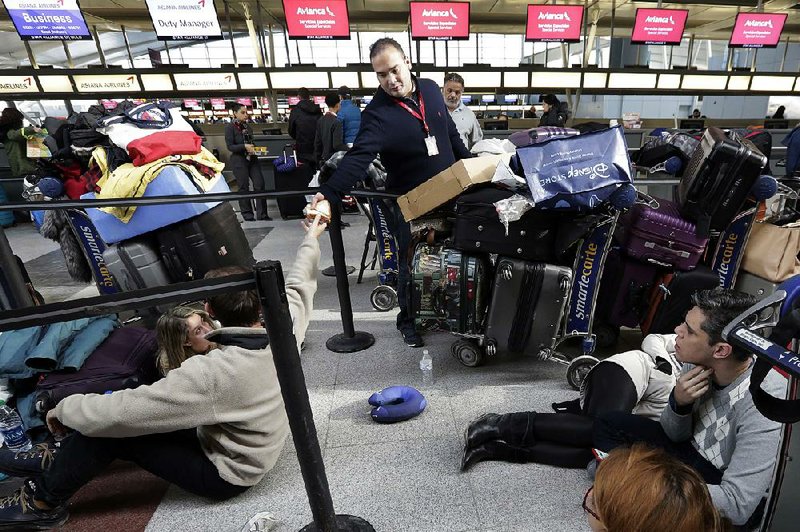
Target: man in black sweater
point(407, 123)
point(303, 125)
point(330, 133)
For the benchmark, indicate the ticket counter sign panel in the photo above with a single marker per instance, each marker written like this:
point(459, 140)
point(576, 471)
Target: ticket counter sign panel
point(757, 30)
point(17, 84)
point(184, 19)
point(554, 23)
point(210, 81)
point(659, 26)
point(218, 103)
point(44, 20)
point(112, 83)
point(439, 21)
point(317, 19)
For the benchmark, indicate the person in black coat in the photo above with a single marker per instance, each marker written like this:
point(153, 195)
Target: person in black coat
point(552, 115)
point(330, 133)
point(244, 163)
point(303, 126)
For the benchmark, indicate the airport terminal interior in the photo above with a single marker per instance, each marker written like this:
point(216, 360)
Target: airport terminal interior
point(639, 71)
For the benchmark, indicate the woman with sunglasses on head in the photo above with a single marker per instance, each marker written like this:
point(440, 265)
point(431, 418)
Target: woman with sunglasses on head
point(645, 489)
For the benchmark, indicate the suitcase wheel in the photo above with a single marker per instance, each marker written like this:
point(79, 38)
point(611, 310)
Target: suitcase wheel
point(383, 298)
point(606, 335)
point(467, 353)
point(578, 369)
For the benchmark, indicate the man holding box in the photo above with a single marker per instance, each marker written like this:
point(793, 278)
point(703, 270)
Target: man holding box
point(409, 126)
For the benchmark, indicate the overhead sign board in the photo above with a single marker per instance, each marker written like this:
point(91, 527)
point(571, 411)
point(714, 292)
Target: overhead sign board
point(218, 103)
point(107, 83)
point(205, 81)
point(439, 21)
point(554, 23)
point(317, 19)
point(184, 19)
point(757, 30)
point(47, 20)
point(15, 84)
point(659, 26)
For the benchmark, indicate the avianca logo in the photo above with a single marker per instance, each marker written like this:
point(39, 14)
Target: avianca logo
point(315, 11)
point(759, 23)
point(660, 20)
point(436, 13)
point(554, 16)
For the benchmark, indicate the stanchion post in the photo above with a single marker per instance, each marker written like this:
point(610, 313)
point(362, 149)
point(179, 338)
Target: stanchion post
point(350, 340)
point(272, 294)
point(18, 291)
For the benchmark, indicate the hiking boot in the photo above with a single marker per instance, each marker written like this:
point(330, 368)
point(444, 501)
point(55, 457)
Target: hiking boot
point(412, 338)
point(33, 462)
point(18, 511)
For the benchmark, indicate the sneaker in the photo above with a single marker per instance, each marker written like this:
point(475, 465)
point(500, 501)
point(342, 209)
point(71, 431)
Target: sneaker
point(412, 338)
point(18, 512)
point(33, 462)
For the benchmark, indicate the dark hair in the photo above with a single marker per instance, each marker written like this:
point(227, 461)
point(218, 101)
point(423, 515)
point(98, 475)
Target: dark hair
point(344, 92)
point(234, 309)
point(304, 93)
point(10, 119)
point(551, 99)
point(235, 107)
point(381, 44)
point(331, 100)
point(452, 76)
point(719, 307)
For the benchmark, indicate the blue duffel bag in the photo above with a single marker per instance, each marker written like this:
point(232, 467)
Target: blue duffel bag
point(579, 173)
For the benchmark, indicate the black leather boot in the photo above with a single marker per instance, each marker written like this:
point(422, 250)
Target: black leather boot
point(493, 450)
point(515, 428)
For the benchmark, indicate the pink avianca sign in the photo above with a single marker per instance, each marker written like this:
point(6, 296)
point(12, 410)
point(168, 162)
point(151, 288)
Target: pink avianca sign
point(549, 23)
point(659, 26)
point(757, 30)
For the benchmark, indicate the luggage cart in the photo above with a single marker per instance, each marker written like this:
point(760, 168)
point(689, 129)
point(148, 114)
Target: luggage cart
point(384, 296)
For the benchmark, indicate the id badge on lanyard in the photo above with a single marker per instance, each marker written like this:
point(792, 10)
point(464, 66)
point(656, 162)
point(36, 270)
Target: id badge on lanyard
point(430, 140)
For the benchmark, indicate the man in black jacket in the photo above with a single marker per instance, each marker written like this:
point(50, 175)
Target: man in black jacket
point(330, 133)
point(408, 124)
point(303, 125)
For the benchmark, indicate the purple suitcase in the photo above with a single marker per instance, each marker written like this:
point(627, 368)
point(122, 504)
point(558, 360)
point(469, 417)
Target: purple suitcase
point(661, 236)
point(624, 290)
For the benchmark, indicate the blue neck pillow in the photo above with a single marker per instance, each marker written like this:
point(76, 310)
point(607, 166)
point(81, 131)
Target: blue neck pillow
point(397, 403)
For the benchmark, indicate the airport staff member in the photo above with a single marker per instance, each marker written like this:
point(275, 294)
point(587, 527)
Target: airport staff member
point(469, 129)
point(407, 123)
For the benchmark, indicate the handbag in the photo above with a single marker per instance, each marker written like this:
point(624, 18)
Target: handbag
point(771, 251)
point(287, 163)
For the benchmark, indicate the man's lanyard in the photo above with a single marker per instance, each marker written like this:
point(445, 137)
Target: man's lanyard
point(418, 116)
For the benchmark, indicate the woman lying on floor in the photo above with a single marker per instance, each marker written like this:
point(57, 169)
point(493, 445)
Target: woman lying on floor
point(638, 381)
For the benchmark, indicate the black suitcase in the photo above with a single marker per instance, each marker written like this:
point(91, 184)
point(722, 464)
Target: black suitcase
point(297, 179)
point(210, 240)
point(449, 289)
point(671, 298)
point(479, 229)
point(526, 307)
point(717, 180)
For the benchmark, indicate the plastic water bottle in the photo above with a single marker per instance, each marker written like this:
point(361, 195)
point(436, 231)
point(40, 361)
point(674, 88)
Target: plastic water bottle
point(426, 365)
point(12, 429)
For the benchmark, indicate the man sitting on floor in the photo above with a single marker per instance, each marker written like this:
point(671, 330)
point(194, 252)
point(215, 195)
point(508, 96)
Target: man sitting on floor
point(711, 422)
point(215, 425)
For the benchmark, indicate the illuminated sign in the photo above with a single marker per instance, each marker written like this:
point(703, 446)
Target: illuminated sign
point(184, 19)
point(549, 23)
point(107, 83)
point(757, 30)
point(659, 26)
point(205, 81)
point(317, 19)
point(439, 20)
point(47, 20)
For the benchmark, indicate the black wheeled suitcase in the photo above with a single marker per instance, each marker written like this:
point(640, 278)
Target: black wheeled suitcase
point(449, 289)
point(478, 228)
point(526, 307)
point(671, 298)
point(717, 180)
point(210, 240)
point(297, 179)
point(136, 264)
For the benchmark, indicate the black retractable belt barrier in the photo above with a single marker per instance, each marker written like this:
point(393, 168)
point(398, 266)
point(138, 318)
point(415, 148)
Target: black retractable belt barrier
point(278, 320)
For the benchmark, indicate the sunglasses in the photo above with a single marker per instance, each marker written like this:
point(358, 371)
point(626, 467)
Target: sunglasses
point(586, 507)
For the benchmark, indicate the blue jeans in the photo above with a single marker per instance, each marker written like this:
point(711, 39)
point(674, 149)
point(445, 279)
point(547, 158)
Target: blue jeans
point(402, 234)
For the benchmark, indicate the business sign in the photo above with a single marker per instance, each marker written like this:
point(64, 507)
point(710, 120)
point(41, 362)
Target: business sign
point(184, 19)
point(319, 100)
point(659, 26)
point(264, 103)
point(245, 101)
point(317, 19)
point(549, 23)
point(757, 30)
point(15, 84)
point(107, 83)
point(47, 20)
point(439, 21)
point(218, 103)
point(205, 81)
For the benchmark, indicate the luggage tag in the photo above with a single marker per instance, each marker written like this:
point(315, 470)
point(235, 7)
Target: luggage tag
point(430, 143)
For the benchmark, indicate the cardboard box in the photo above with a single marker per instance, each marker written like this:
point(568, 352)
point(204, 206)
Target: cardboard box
point(448, 184)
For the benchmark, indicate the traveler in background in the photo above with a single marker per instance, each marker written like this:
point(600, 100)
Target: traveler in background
point(303, 126)
point(695, 114)
point(244, 163)
point(408, 125)
point(13, 136)
point(349, 115)
point(469, 129)
point(531, 113)
point(646, 489)
point(553, 115)
point(214, 426)
point(328, 139)
point(779, 113)
point(711, 423)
